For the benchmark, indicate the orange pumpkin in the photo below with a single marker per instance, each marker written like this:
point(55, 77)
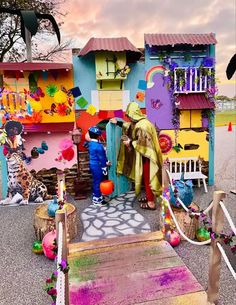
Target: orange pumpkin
point(107, 187)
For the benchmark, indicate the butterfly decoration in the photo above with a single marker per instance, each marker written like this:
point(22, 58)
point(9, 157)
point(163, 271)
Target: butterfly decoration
point(52, 110)
point(156, 104)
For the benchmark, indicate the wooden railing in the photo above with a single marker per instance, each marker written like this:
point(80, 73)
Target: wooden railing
point(192, 80)
point(62, 255)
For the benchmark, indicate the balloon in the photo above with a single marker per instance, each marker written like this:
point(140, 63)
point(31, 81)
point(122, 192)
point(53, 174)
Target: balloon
point(107, 187)
point(48, 245)
point(68, 154)
point(174, 238)
point(202, 234)
point(37, 247)
point(60, 97)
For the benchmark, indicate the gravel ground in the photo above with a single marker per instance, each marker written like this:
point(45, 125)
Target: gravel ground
point(23, 273)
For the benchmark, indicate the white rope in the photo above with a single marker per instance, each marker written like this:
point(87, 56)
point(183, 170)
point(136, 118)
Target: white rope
point(61, 276)
point(198, 243)
point(228, 217)
point(222, 251)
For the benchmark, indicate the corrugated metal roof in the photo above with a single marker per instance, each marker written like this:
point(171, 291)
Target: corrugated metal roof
point(173, 39)
point(109, 44)
point(194, 101)
point(33, 66)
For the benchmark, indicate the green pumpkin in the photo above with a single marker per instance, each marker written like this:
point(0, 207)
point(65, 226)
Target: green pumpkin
point(37, 247)
point(202, 234)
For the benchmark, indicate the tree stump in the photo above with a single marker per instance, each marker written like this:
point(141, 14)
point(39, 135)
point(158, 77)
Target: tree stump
point(187, 224)
point(44, 223)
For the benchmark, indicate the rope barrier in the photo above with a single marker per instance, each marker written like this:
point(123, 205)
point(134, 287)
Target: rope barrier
point(61, 276)
point(228, 217)
point(222, 251)
point(198, 243)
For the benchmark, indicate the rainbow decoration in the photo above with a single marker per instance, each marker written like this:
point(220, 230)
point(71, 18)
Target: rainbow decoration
point(151, 72)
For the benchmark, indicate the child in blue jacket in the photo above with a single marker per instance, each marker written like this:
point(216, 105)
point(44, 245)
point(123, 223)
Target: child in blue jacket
point(98, 164)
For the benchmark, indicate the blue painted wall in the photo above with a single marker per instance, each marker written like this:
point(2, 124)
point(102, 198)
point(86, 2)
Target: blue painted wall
point(85, 76)
point(131, 83)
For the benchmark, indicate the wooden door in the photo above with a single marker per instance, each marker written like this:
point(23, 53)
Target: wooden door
point(122, 184)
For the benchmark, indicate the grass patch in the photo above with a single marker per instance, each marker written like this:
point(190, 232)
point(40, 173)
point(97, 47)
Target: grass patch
point(224, 117)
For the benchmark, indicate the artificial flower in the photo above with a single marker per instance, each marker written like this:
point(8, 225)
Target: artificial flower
point(51, 90)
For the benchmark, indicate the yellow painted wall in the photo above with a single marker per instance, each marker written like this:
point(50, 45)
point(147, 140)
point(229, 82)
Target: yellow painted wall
point(190, 119)
point(64, 78)
point(101, 65)
point(188, 137)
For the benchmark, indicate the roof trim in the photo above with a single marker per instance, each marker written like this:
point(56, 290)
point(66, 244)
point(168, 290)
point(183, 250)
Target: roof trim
point(119, 44)
point(194, 101)
point(175, 39)
point(34, 66)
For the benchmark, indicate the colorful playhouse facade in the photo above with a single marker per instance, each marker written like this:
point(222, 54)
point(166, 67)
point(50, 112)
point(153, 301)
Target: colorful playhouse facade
point(37, 95)
point(172, 79)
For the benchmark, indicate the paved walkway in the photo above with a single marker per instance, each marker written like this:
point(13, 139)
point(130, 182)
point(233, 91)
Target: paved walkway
point(119, 218)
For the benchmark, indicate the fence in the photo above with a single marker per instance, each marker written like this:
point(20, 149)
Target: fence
point(219, 212)
point(62, 285)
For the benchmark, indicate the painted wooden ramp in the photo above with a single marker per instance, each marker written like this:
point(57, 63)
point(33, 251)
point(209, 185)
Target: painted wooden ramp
point(136, 269)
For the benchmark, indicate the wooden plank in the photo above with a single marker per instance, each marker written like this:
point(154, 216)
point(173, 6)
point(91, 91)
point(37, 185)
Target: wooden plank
point(113, 242)
point(197, 298)
point(133, 288)
point(136, 258)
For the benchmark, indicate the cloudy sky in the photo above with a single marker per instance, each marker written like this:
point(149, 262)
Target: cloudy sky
point(133, 18)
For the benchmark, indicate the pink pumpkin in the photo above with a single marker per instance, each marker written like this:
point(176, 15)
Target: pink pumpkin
point(48, 244)
point(173, 238)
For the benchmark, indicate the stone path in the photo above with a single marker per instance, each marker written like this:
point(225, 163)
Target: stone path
point(119, 218)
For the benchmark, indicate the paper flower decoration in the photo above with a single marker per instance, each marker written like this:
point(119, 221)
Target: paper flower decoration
point(51, 90)
point(60, 97)
point(62, 109)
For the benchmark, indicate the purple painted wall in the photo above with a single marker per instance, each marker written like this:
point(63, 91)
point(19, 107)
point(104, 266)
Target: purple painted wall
point(158, 104)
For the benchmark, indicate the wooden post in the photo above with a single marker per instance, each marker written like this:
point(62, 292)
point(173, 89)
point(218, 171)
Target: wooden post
point(62, 217)
point(215, 255)
point(165, 186)
point(28, 45)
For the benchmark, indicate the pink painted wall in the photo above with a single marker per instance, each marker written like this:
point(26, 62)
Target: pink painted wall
point(47, 160)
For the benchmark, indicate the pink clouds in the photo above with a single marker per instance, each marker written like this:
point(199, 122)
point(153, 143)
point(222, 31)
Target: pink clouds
point(133, 18)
